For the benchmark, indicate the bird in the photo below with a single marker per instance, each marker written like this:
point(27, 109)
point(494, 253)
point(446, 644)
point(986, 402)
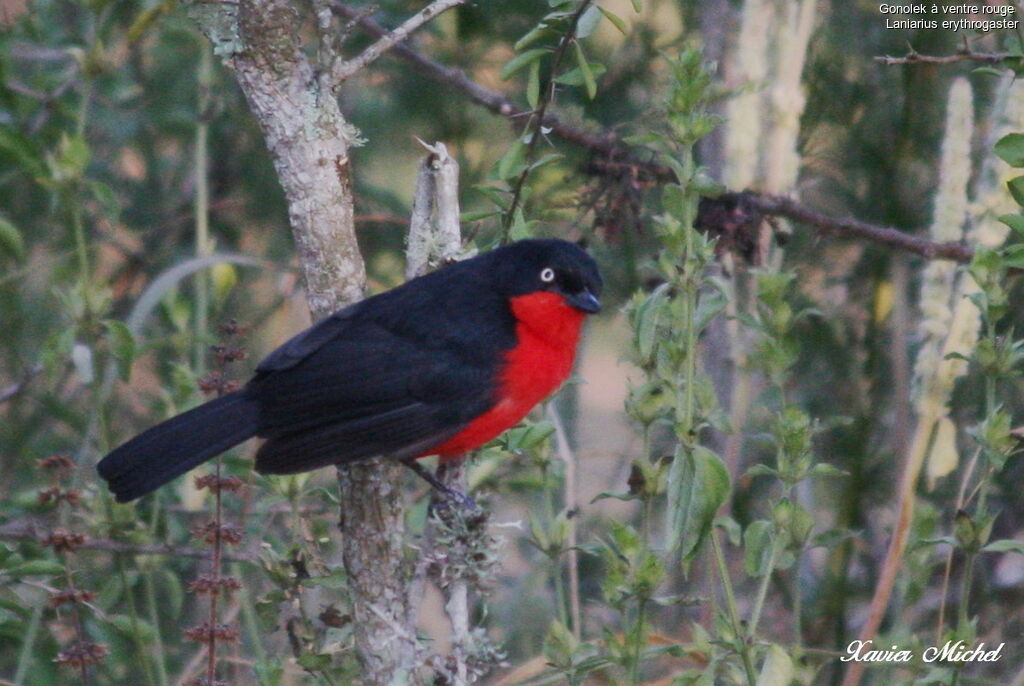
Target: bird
point(439, 365)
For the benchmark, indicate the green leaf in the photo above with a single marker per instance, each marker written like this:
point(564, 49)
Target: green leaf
point(522, 60)
point(11, 240)
point(585, 70)
point(23, 149)
point(547, 159)
point(1005, 545)
point(1010, 149)
point(588, 22)
point(315, 662)
point(758, 540)
point(648, 314)
point(337, 579)
point(513, 163)
point(467, 217)
point(1016, 188)
point(106, 197)
point(129, 627)
point(637, 5)
point(533, 86)
point(1014, 256)
point(992, 71)
point(538, 32)
point(574, 77)
point(832, 537)
point(605, 495)
point(269, 672)
point(122, 346)
point(698, 484)
point(824, 469)
point(777, 669)
point(35, 568)
point(760, 470)
point(731, 527)
point(615, 19)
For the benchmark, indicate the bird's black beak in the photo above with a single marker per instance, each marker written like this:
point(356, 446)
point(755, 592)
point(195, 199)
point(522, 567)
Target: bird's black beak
point(585, 301)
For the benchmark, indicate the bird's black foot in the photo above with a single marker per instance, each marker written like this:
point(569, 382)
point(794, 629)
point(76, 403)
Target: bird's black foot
point(453, 497)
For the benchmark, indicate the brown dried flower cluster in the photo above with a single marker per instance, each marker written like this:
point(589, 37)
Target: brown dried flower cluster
point(81, 654)
point(63, 541)
point(216, 383)
point(55, 494)
point(232, 328)
point(56, 462)
point(210, 533)
point(232, 484)
point(208, 584)
point(226, 354)
point(206, 632)
point(70, 597)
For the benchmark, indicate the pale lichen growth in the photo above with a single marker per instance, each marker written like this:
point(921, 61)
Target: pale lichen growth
point(745, 111)
point(941, 331)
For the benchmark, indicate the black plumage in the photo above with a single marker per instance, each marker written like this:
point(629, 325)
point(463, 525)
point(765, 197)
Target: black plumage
point(393, 375)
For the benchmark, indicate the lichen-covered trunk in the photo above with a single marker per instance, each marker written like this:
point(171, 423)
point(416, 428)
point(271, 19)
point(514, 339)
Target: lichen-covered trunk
point(310, 140)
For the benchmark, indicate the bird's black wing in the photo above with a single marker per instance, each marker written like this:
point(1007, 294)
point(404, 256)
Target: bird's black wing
point(365, 390)
point(309, 341)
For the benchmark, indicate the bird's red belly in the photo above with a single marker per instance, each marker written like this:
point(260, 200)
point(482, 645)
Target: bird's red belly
point(547, 331)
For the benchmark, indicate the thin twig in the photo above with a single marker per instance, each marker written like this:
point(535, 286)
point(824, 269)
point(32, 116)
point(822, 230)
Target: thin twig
point(961, 56)
point(347, 68)
point(28, 533)
point(571, 504)
point(538, 118)
point(749, 208)
point(606, 145)
point(18, 386)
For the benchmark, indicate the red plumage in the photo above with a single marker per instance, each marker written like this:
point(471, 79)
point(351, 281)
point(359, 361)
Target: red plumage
point(547, 331)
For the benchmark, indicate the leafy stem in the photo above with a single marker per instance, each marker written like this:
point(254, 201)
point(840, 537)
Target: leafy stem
point(536, 125)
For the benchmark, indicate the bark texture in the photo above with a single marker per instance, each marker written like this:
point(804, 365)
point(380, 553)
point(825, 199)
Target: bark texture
point(292, 94)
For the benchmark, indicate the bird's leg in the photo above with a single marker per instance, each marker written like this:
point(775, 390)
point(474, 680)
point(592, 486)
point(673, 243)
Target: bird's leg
point(455, 496)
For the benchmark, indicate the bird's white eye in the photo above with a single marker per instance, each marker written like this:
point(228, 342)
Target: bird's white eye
point(547, 275)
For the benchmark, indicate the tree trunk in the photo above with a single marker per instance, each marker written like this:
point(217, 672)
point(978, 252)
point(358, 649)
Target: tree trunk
point(309, 139)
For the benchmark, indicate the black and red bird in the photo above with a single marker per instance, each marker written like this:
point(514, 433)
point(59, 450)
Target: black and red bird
point(438, 366)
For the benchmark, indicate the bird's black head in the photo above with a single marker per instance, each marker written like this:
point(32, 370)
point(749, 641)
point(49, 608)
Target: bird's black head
point(547, 264)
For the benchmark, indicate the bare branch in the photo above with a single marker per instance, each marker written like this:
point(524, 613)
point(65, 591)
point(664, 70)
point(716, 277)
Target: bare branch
point(749, 209)
point(435, 236)
point(17, 387)
point(28, 532)
point(347, 68)
point(606, 145)
point(613, 157)
point(993, 58)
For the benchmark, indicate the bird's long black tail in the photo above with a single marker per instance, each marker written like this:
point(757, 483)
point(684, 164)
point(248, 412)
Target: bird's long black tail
point(175, 446)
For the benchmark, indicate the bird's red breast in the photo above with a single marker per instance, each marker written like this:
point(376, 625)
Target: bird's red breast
point(547, 331)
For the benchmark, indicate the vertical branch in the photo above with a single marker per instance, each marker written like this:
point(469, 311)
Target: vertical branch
point(434, 233)
point(571, 503)
point(310, 141)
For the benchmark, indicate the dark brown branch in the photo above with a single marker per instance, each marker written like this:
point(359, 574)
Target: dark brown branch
point(605, 145)
point(778, 206)
point(993, 58)
point(613, 157)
